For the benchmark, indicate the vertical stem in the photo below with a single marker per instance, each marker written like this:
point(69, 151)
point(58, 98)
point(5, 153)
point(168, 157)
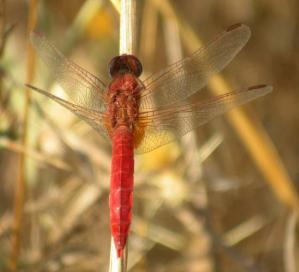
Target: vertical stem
point(127, 27)
point(2, 39)
point(21, 182)
point(127, 45)
point(289, 252)
point(2, 23)
point(117, 264)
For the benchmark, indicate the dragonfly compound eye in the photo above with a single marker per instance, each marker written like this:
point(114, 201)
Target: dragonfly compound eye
point(124, 64)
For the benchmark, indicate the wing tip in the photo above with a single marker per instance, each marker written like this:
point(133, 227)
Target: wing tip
point(239, 26)
point(28, 85)
point(39, 90)
point(35, 35)
point(261, 88)
point(36, 32)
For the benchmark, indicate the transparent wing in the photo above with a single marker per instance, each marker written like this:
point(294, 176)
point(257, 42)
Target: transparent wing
point(82, 87)
point(185, 77)
point(92, 117)
point(164, 125)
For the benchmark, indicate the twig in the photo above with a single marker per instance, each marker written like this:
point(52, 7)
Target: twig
point(244, 262)
point(20, 186)
point(116, 4)
point(2, 24)
point(34, 154)
point(290, 244)
point(126, 46)
point(244, 230)
point(127, 27)
point(117, 264)
point(193, 169)
point(2, 39)
point(87, 12)
point(149, 28)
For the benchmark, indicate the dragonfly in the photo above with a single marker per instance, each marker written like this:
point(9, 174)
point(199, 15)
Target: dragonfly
point(142, 115)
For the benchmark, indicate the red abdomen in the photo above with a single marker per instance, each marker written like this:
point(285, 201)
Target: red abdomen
point(121, 186)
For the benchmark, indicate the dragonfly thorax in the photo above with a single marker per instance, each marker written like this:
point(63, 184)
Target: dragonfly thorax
point(123, 102)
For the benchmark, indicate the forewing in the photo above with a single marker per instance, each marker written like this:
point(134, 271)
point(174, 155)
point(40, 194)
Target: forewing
point(92, 117)
point(185, 77)
point(82, 87)
point(168, 123)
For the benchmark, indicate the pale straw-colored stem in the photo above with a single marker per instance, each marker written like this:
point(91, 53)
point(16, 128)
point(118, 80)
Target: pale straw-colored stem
point(290, 248)
point(21, 182)
point(127, 45)
point(127, 27)
point(117, 264)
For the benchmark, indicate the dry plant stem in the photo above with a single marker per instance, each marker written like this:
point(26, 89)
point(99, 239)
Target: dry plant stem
point(20, 186)
point(33, 154)
point(149, 28)
point(127, 27)
point(126, 46)
point(189, 144)
point(117, 264)
point(116, 4)
point(2, 24)
point(252, 134)
point(290, 244)
point(87, 11)
point(2, 38)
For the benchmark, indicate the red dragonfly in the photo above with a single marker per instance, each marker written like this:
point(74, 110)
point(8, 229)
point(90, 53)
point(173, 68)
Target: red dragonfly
point(144, 114)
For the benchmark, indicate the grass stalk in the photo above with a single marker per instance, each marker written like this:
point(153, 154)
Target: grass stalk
point(127, 45)
point(127, 39)
point(289, 253)
point(19, 198)
point(2, 39)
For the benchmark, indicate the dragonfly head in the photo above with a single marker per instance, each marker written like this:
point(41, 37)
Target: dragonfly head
point(124, 64)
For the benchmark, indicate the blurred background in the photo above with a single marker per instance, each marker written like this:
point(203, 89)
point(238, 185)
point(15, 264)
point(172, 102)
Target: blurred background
point(223, 198)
